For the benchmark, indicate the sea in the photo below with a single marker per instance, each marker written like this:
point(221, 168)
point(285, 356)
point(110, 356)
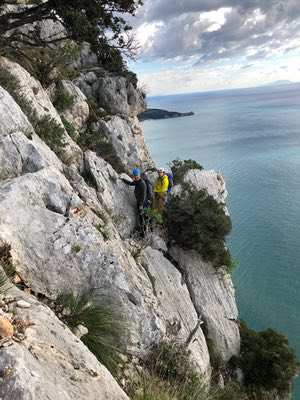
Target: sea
point(251, 136)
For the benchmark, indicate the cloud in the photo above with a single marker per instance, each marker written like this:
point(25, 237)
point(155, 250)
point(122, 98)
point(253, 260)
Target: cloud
point(216, 30)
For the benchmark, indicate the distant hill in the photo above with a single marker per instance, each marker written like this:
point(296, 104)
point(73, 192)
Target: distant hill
point(156, 113)
point(279, 83)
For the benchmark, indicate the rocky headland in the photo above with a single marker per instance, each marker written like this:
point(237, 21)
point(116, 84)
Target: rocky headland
point(156, 113)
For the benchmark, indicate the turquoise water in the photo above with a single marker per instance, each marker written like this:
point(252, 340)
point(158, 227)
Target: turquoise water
point(253, 137)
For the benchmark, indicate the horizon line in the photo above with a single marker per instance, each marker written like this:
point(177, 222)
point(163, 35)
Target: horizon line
point(264, 85)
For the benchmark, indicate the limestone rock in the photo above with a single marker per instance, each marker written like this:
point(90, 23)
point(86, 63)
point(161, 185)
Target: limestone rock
point(78, 113)
point(42, 233)
point(40, 102)
point(20, 155)
point(123, 134)
point(213, 295)
point(115, 196)
point(176, 306)
point(23, 304)
point(80, 331)
point(51, 363)
point(47, 209)
point(21, 150)
point(87, 59)
point(212, 292)
point(210, 180)
point(116, 94)
point(12, 117)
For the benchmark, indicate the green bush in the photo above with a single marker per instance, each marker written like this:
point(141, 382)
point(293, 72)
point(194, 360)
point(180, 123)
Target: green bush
point(154, 217)
point(8, 81)
point(69, 128)
point(195, 220)
point(51, 133)
point(5, 283)
point(105, 327)
point(267, 360)
point(95, 141)
point(96, 113)
point(63, 100)
point(180, 167)
point(76, 248)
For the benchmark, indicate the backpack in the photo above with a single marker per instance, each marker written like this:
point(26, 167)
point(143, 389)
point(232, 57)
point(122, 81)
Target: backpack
point(170, 177)
point(149, 195)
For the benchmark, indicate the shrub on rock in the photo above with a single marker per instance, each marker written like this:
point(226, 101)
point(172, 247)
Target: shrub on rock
point(180, 167)
point(100, 144)
point(196, 221)
point(267, 360)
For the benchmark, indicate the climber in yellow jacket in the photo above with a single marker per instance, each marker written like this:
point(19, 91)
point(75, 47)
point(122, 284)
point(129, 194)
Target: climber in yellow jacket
point(160, 191)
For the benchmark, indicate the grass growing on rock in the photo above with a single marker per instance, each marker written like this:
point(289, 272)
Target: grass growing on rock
point(69, 128)
point(5, 283)
point(169, 374)
point(105, 327)
point(7, 270)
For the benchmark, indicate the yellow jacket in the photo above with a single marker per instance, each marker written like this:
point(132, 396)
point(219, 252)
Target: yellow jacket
point(161, 184)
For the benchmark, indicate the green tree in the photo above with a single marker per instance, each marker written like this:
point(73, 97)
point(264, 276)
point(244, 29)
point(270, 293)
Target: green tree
point(267, 360)
point(98, 22)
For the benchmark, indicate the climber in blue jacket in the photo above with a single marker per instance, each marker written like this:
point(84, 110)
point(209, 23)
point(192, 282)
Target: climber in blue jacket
point(140, 192)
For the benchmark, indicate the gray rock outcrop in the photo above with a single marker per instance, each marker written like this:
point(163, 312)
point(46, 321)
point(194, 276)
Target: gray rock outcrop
point(116, 94)
point(125, 135)
point(213, 296)
point(77, 114)
point(72, 226)
point(212, 291)
point(51, 363)
point(34, 94)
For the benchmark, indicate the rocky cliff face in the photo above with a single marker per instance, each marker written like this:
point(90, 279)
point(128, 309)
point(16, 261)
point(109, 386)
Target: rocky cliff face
point(51, 205)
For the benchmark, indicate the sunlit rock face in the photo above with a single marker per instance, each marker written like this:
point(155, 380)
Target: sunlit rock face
point(71, 224)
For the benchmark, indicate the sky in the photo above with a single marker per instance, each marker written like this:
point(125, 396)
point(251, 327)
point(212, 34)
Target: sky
point(201, 45)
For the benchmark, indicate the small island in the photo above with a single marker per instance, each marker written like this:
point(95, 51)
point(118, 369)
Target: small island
point(156, 113)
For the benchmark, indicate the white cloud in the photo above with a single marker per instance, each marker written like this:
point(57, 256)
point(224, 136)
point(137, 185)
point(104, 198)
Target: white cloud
point(216, 18)
point(144, 33)
point(184, 79)
point(216, 29)
point(218, 44)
